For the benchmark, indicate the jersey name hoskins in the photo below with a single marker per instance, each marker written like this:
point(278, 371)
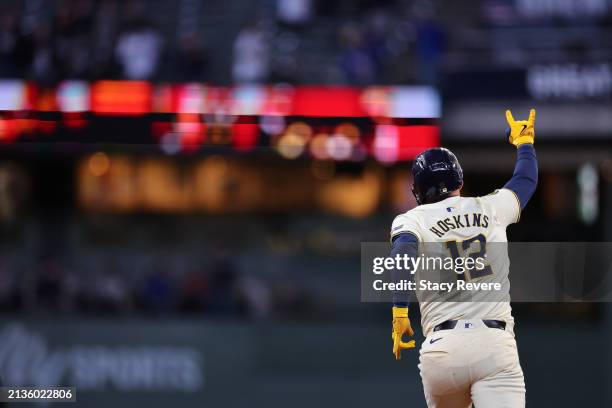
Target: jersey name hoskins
point(442, 226)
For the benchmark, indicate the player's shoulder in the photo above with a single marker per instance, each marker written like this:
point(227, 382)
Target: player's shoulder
point(407, 222)
point(411, 214)
point(501, 195)
point(505, 204)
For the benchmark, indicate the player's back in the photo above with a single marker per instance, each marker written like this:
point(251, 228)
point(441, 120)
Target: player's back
point(463, 227)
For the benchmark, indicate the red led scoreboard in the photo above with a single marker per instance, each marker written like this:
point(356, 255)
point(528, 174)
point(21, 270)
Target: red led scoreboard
point(390, 123)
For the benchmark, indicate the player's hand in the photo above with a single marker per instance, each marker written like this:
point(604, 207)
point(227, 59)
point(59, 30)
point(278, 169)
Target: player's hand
point(521, 131)
point(401, 326)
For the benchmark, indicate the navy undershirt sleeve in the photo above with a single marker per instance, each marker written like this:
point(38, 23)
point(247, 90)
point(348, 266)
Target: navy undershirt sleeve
point(525, 177)
point(403, 244)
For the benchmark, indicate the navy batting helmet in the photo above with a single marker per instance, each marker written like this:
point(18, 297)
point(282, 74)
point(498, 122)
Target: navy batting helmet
point(436, 172)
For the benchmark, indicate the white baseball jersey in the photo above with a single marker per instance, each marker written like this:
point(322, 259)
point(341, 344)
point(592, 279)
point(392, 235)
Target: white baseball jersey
point(466, 224)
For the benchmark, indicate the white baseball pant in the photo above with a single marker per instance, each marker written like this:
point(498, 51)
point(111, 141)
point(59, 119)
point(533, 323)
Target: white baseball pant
point(472, 363)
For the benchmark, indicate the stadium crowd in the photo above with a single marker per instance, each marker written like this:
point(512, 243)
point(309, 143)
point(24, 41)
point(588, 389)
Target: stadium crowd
point(374, 43)
point(54, 285)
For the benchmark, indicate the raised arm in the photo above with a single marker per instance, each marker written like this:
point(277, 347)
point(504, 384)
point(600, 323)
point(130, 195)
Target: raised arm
point(525, 178)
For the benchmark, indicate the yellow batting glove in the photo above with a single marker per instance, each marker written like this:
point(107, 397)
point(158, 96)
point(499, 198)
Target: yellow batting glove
point(521, 131)
point(401, 326)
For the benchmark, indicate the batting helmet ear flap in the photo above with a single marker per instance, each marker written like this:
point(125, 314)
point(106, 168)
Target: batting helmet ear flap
point(416, 194)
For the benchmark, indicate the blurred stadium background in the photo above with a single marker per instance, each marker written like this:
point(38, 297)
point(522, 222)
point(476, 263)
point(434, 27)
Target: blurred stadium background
point(184, 187)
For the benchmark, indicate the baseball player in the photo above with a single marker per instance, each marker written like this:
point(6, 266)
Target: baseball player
point(469, 354)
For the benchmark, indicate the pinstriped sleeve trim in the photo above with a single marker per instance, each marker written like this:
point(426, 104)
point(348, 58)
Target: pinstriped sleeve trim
point(403, 224)
point(518, 205)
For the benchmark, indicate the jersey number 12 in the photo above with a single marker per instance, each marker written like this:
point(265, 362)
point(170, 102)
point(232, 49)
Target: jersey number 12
point(456, 252)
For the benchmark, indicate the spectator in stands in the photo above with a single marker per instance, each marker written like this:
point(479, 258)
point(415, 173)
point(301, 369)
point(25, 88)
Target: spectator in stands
point(251, 57)
point(356, 63)
point(195, 291)
point(139, 45)
point(187, 62)
point(294, 13)
point(111, 292)
point(255, 296)
point(375, 39)
point(44, 67)
point(430, 42)
point(14, 51)
point(104, 32)
point(224, 294)
point(71, 38)
point(158, 291)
